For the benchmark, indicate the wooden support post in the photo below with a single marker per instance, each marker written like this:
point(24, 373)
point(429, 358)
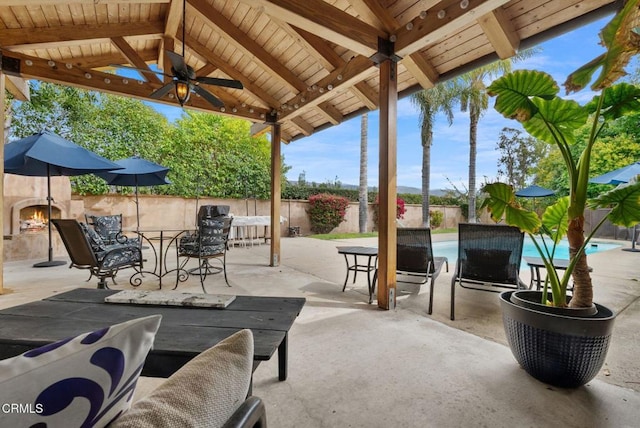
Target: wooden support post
point(276, 188)
point(2, 138)
point(388, 191)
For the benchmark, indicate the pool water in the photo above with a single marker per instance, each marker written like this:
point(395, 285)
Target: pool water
point(449, 249)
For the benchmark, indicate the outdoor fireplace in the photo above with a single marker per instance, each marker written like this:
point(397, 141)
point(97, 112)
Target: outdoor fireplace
point(34, 218)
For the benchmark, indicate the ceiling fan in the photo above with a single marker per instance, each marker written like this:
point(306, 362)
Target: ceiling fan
point(184, 79)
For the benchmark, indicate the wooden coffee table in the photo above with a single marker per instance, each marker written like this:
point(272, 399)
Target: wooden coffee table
point(184, 331)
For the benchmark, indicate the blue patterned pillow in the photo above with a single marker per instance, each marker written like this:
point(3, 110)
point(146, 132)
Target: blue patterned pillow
point(84, 381)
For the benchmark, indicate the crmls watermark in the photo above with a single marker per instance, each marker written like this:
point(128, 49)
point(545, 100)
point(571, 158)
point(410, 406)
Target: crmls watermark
point(21, 408)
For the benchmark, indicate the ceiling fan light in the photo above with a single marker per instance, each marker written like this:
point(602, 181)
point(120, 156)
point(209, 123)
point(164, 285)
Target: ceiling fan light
point(182, 91)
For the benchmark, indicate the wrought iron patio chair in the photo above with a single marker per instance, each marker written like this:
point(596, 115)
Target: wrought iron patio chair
point(88, 251)
point(489, 257)
point(209, 242)
point(415, 258)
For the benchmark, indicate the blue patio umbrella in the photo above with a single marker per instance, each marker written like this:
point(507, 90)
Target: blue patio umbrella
point(534, 191)
point(618, 176)
point(621, 176)
point(46, 154)
point(136, 171)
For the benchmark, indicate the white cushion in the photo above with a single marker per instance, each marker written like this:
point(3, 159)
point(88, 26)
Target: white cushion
point(87, 380)
point(203, 393)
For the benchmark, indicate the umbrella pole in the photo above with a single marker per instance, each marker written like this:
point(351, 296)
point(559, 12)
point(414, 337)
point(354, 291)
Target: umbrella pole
point(137, 209)
point(50, 262)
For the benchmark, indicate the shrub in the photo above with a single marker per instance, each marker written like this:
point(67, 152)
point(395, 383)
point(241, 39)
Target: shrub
point(400, 210)
point(326, 212)
point(436, 218)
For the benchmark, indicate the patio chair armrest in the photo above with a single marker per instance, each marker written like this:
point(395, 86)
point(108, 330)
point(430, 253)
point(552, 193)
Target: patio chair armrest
point(250, 414)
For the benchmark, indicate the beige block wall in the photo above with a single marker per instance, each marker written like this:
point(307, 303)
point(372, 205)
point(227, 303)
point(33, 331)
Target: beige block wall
point(171, 212)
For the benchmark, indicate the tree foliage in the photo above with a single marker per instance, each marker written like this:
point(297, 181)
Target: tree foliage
point(519, 155)
point(208, 155)
point(618, 146)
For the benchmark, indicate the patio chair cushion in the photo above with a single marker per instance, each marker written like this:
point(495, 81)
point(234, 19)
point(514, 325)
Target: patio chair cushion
point(109, 227)
point(492, 264)
point(95, 240)
point(204, 392)
point(87, 380)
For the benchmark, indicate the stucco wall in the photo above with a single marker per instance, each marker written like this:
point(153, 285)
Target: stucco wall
point(170, 212)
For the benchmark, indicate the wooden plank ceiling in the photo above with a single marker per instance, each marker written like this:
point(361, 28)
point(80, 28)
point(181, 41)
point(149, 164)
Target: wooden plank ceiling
point(305, 64)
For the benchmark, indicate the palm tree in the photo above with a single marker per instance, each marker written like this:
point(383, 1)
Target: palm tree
point(440, 98)
point(474, 98)
point(362, 194)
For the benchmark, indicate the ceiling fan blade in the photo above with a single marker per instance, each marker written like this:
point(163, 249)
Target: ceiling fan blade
point(178, 64)
point(208, 96)
point(227, 83)
point(162, 91)
point(142, 70)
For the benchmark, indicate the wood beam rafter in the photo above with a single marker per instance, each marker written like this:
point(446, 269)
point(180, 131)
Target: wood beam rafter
point(354, 71)
point(130, 54)
point(251, 87)
point(101, 61)
point(67, 2)
point(106, 82)
point(17, 39)
point(416, 63)
point(425, 31)
point(18, 87)
point(247, 45)
point(302, 125)
point(330, 113)
point(500, 32)
point(421, 69)
point(326, 21)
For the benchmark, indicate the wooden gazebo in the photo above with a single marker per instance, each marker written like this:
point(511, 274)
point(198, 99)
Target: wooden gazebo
point(305, 65)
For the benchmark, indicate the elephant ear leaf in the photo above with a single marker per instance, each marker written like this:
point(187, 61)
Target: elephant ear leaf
point(624, 202)
point(619, 100)
point(556, 121)
point(515, 91)
point(502, 203)
point(622, 41)
point(555, 219)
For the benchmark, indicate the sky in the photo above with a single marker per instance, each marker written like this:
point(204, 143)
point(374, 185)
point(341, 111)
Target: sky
point(334, 154)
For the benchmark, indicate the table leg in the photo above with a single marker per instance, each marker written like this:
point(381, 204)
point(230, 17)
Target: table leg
point(355, 267)
point(369, 279)
point(347, 277)
point(282, 358)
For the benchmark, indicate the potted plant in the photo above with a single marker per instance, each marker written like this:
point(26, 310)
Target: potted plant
point(569, 341)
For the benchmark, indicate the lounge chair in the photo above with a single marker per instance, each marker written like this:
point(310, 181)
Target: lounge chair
point(415, 258)
point(209, 242)
point(88, 251)
point(489, 257)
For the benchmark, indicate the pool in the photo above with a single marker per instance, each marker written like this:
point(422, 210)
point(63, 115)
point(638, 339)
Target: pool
point(449, 249)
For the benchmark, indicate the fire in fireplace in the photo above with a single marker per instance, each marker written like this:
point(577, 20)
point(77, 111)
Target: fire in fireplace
point(34, 218)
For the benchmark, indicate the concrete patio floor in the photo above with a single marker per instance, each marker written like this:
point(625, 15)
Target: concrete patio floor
point(354, 365)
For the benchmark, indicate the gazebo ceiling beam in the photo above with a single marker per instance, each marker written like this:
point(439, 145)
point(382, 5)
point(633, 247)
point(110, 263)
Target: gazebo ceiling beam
point(261, 95)
point(172, 21)
point(66, 2)
point(500, 32)
point(60, 73)
point(439, 22)
point(342, 78)
point(326, 21)
point(130, 54)
point(247, 45)
point(416, 63)
point(17, 39)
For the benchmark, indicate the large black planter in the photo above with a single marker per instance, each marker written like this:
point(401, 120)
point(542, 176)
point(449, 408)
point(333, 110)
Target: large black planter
point(560, 350)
